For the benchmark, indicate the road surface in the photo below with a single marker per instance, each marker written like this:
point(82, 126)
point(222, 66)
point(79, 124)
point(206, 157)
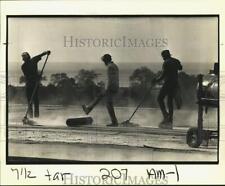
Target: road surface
point(142, 142)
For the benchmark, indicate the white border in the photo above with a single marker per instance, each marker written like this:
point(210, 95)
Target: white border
point(189, 174)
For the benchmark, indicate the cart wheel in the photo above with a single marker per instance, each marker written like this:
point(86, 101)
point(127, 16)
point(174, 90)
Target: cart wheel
point(193, 139)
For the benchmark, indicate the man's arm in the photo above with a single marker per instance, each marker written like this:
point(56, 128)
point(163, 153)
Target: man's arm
point(38, 57)
point(179, 65)
point(161, 77)
point(23, 70)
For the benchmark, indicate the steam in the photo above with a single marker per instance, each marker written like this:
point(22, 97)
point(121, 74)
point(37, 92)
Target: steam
point(144, 117)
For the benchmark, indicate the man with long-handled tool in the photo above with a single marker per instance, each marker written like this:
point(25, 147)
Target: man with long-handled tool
point(30, 71)
point(112, 89)
point(170, 69)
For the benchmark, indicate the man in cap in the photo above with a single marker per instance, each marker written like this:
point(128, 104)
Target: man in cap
point(170, 69)
point(30, 71)
point(111, 90)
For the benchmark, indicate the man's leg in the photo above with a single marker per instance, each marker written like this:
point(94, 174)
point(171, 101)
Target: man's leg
point(36, 104)
point(171, 97)
point(88, 108)
point(161, 96)
point(170, 107)
point(110, 108)
point(30, 105)
point(178, 97)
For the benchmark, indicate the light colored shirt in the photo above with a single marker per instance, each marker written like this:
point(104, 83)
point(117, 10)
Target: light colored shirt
point(113, 77)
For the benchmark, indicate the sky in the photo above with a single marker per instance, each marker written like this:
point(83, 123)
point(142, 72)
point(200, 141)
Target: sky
point(190, 39)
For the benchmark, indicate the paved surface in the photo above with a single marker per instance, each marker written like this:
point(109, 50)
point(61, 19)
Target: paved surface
point(142, 141)
point(97, 143)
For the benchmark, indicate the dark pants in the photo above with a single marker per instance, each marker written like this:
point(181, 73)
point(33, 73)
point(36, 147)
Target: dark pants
point(169, 90)
point(30, 88)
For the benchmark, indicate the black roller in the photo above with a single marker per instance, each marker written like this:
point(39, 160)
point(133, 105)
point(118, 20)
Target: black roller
point(73, 122)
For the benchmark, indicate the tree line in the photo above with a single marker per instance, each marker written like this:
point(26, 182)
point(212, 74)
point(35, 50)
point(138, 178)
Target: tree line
point(84, 86)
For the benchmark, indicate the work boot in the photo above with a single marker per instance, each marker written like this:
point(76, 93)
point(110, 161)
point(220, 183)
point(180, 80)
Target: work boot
point(112, 125)
point(170, 120)
point(36, 114)
point(164, 121)
point(167, 125)
point(86, 109)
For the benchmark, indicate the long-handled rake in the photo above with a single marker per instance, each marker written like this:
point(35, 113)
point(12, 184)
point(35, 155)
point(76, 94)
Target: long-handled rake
point(25, 119)
point(143, 99)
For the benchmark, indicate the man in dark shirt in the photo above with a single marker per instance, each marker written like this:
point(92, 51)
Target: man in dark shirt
point(111, 90)
point(30, 71)
point(170, 69)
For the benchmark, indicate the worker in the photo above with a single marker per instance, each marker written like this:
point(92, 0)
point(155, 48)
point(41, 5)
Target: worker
point(110, 92)
point(170, 69)
point(30, 71)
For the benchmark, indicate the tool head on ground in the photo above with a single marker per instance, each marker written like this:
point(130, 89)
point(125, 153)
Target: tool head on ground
point(27, 121)
point(127, 123)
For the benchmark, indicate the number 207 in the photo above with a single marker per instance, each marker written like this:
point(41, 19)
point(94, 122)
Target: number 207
point(114, 173)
